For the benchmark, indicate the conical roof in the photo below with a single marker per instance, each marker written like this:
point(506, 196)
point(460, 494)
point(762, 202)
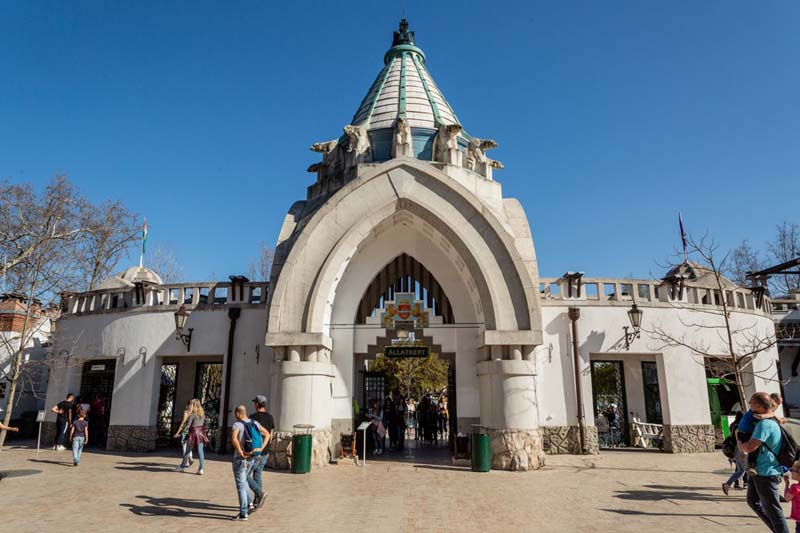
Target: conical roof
point(404, 89)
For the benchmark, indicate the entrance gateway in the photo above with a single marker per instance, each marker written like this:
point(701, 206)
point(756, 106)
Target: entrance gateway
point(405, 203)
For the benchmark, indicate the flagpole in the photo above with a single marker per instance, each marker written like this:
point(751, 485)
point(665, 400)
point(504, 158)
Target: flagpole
point(144, 240)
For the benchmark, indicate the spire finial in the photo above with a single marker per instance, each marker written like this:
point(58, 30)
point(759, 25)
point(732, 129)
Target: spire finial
point(403, 36)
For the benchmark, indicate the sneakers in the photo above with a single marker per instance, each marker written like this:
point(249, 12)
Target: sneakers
point(60, 448)
point(252, 509)
point(180, 468)
point(240, 517)
point(725, 488)
point(200, 472)
point(261, 499)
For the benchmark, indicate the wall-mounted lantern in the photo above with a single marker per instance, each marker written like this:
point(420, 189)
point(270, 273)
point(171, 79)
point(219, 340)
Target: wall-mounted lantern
point(635, 317)
point(181, 316)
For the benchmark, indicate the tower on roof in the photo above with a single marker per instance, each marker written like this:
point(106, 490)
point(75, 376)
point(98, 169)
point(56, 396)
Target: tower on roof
point(404, 114)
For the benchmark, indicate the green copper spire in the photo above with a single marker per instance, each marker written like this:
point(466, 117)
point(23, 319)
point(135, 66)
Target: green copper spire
point(403, 41)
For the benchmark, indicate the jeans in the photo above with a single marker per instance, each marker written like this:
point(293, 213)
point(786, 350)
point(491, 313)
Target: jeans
point(378, 440)
point(254, 477)
point(77, 449)
point(740, 460)
point(241, 470)
point(61, 430)
point(763, 497)
point(188, 452)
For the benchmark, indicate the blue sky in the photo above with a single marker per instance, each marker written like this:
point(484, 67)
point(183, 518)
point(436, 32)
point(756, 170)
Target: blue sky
point(610, 116)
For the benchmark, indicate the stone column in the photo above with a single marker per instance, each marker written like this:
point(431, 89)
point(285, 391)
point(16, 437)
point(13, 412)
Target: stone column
point(509, 410)
point(302, 394)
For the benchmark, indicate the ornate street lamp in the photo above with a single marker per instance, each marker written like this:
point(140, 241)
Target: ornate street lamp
point(181, 316)
point(635, 316)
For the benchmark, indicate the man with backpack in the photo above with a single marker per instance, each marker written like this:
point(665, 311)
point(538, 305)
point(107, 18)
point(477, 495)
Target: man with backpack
point(267, 422)
point(763, 491)
point(248, 438)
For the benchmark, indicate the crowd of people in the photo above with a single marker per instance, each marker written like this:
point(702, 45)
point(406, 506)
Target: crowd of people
point(250, 437)
point(765, 457)
point(402, 418)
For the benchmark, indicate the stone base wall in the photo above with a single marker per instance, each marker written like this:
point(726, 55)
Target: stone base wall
point(48, 433)
point(132, 438)
point(280, 454)
point(689, 439)
point(560, 440)
point(516, 449)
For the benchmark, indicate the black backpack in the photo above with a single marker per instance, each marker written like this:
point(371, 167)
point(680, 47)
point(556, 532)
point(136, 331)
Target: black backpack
point(729, 446)
point(789, 452)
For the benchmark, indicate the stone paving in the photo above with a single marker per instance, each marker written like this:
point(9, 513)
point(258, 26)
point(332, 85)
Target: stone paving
point(615, 491)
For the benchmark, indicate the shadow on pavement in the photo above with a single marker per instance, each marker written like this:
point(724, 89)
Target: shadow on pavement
point(141, 466)
point(667, 492)
point(180, 508)
point(17, 473)
point(630, 512)
point(61, 463)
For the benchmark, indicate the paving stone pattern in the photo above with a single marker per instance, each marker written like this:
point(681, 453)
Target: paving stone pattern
point(614, 491)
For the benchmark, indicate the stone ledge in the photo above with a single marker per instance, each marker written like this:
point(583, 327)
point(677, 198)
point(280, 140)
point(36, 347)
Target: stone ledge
point(131, 438)
point(689, 439)
point(280, 449)
point(516, 449)
point(563, 440)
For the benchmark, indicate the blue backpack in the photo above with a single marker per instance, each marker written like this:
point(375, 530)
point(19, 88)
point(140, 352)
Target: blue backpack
point(252, 441)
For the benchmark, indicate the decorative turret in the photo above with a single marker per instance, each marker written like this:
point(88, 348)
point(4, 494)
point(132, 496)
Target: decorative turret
point(404, 114)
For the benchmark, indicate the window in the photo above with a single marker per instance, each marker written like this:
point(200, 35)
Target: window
point(255, 295)
point(188, 295)
point(173, 296)
point(591, 291)
point(220, 295)
point(610, 290)
point(644, 292)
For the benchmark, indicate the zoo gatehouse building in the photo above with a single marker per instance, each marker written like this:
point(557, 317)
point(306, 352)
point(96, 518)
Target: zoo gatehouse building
point(405, 240)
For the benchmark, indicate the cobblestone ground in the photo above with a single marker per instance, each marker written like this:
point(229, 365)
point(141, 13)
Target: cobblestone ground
point(615, 491)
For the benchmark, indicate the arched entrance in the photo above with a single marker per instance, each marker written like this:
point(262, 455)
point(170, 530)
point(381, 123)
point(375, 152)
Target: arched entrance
point(403, 225)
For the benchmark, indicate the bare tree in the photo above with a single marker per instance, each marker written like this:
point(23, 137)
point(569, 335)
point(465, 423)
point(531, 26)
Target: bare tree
point(259, 269)
point(784, 247)
point(732, 350)
point(40, 235)
point(114, 230)
point(743, 260)
point(164, 263)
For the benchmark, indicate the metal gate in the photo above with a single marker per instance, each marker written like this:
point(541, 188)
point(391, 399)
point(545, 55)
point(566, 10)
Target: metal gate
point(608, 389)
point(208, 389)
point(166, 404)
point(97, 388)
point(452, 420)
point(374, 388)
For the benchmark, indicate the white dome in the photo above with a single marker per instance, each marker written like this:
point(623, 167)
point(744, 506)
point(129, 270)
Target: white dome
point(125, 280)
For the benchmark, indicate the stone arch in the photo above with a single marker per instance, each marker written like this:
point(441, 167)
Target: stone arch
point(323, 244)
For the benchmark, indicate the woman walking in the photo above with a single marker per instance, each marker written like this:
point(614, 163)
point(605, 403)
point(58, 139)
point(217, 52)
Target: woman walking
point(194, 422)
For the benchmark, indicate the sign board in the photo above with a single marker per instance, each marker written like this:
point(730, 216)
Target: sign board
point(363, 426)
point(98, 367)
point(40, 416)
point(405, 351)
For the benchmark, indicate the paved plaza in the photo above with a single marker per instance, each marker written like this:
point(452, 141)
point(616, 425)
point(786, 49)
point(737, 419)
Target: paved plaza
point(615, 491)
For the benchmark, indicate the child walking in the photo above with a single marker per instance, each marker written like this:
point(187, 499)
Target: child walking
point(79, 435)
point(792, 493)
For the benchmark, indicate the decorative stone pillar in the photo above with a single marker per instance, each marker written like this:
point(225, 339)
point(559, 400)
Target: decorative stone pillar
point(510, 412)
point(698, 438)
point(302, 394)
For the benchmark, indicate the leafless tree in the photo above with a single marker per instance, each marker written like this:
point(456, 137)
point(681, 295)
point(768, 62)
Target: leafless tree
point(784, 246)
point(41, 234)
point(259, 269)
point(731, 352)
point(164, 263)
point(113, 231)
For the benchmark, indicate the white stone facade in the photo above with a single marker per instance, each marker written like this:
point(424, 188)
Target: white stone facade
point(432, 220)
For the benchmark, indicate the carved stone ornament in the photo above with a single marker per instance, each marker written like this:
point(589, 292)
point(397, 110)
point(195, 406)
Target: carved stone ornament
point(401, 145)
point(446, 144)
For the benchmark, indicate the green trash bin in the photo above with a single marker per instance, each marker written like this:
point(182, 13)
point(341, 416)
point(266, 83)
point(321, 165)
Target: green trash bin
point(301, 449)
point(480, 449)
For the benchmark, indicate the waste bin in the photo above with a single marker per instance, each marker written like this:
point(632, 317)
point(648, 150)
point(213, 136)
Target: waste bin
point(301, 449)
point(480, 449)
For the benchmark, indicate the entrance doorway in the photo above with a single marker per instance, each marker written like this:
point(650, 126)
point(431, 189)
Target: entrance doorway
point(610, 403)
point(168, 390)
point(97, 387)
point(208, 389)
point(414, 397)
